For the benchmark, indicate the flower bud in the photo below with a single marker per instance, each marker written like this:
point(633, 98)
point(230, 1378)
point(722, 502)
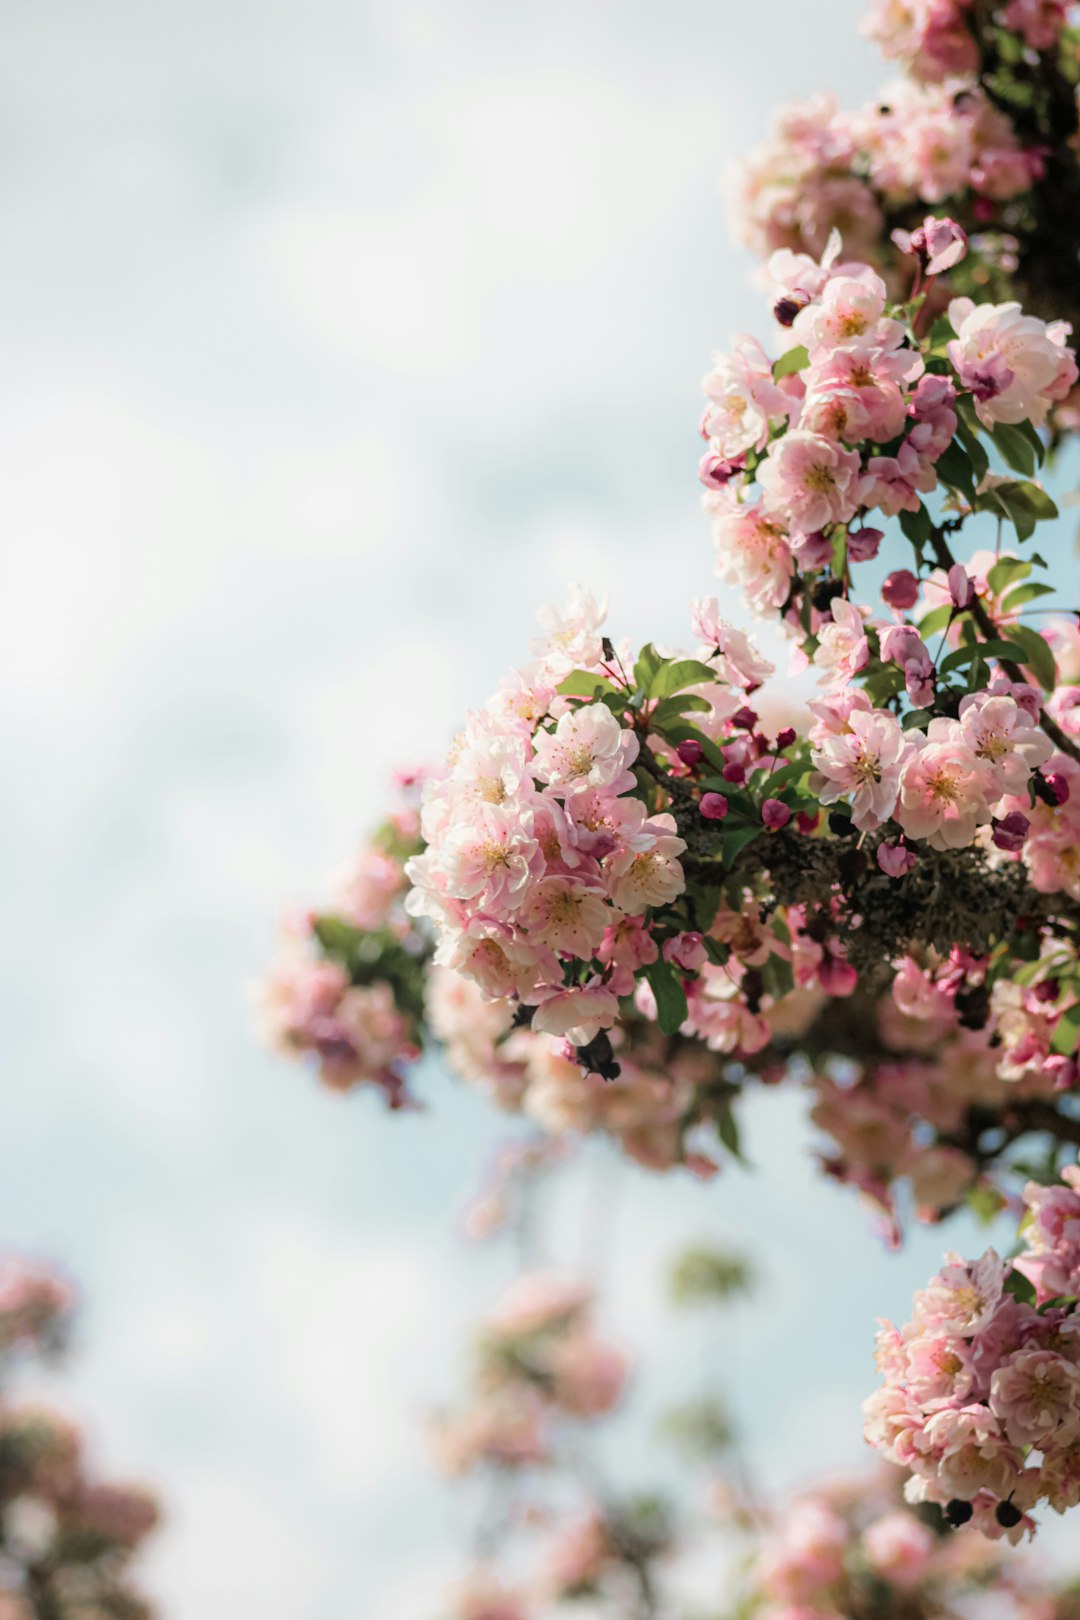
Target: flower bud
point(806, 822)
point(734, 773)
point(744, 718)
point(1051, 787)
point(713, 806)
point(714, 471)
point(864, 544)
point(961, 587)
point(1010, 831)
point(690, 752)
point(775, 814)
point(787, 308)
point(785, 738)
point(901, 590)
point(1046, 990)
point(938, 244)
point(686, 951)
point(896, 860)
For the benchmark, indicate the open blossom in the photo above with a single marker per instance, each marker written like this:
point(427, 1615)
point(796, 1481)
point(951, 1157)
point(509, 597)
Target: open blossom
point(752, 551)
point(571, 636)
point(1036, 1395)
point(857, 393)
point(1010, 361)
point(863, 765)
point(942, 788)
point(842, 645)
point(1005, 737)
point(649, 872)
point(850, 311)
point(577, 1013)
point(567, 914)
point(588, 749)
point(490, 856)
point(736, 657)
point(742, 400)
point(809, 481)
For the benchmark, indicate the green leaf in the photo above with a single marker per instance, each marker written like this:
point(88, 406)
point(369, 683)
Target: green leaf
point(580, 683)
point(1014, 448)
point(969, 438)
point(916, 718)
point(796, 359)
point(917, 525)
point(671, 1008)
point(673, 707)
point(1025, 593)
point(941, 332)
point(735, 841)
point(1024, 504)
point(963, 656)
point(649, 661)
point(672, 677)
point(839, 551)
point(1032, 435)
point(1003, 572)
point(937, 619)
point(1067, 1034)
point(954, 466)
point(1035, 654)
point(727, 1128)
point(1018, 1286)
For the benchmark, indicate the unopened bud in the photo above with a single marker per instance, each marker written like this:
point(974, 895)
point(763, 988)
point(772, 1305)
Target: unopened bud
point(713, 806)
point(775, 814)
point(901, 590)
point(690, 752)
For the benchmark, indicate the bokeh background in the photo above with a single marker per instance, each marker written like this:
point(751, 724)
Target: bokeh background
point(336, 338)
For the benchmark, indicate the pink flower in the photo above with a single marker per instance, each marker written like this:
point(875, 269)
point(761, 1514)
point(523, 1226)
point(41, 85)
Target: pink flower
point(743, 400)
point(901, 589)
point(896, 860)
point(649, 873)
point(579, 1014)
point(736, 658)
point(572, 638)
point(899, 1548)
point(1004, 736)
point(842, 645)
point(489, 857)
point(856, 393)
point(588, 749)
point(850, 312)
point(894, 483)
point(901, 644)
point(1036, 1395)
point(752, 551)
point(1007, 359)
point(1039, 21)
point(938, 244)
point(863, 765)
point(567, 915)
point(942, 788)
point(687, 951)
point(809, 481)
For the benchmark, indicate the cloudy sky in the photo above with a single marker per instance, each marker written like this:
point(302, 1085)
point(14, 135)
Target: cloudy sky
point(336, 338)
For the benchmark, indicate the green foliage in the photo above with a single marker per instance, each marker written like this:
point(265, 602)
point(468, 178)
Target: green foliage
point(666, 983)
point(796, 359)
point(702, 1430)
point(709, 1275)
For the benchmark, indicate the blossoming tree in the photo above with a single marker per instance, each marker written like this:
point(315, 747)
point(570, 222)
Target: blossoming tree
point(67, 1539)
point(644, 879)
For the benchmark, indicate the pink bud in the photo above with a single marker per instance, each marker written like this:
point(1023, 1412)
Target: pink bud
point(1009, 833)
point(901, 590)
point(785, 738)
point(775, 814)
point(961, 587)
point(806, 822)
point(734, 773)
point(744, 718)
point(1051, 787)
point(715, 472)
point(785, 309)
point(938, 244)
point(687, 951)
point(895, 860)
point(713, 806)
point(1046, 990)
point(864, 544)
point(690, 752)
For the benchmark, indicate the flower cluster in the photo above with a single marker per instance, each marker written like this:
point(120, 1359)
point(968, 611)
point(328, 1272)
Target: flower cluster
point(981, 1392)
point(539, 1364)
point(978, 125)
point(347, 988)
point(67, 1539)
point(852, 1547)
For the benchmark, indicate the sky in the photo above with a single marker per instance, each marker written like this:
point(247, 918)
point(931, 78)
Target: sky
point(337, 338)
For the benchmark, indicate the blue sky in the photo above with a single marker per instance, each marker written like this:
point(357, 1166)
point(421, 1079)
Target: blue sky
point(336, 339)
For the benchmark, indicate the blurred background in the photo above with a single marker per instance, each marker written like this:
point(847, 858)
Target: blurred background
point(337, 338)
